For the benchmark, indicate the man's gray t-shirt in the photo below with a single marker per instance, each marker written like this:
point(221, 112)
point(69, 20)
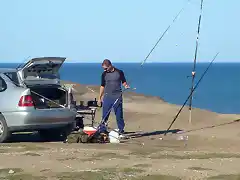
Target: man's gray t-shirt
point(112, 83)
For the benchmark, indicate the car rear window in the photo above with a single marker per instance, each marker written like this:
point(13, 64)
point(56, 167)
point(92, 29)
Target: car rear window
point(13, 76)
point(3, 85)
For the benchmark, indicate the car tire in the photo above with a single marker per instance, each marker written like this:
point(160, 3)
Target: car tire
point(4, 130)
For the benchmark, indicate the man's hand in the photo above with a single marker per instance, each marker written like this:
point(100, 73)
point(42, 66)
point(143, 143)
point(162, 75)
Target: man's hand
point(127, 86)
point(100, 98)
point(99, 102)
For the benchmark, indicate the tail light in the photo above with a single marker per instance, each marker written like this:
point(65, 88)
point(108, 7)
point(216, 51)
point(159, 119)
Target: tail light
point(26, 101)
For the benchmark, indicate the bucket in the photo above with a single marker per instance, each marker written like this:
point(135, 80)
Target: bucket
point(114, 137)
point(89, 130)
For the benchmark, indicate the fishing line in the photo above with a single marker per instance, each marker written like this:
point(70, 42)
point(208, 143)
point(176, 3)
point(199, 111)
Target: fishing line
point(175, 18)
point(195, 87)
point(163, 34)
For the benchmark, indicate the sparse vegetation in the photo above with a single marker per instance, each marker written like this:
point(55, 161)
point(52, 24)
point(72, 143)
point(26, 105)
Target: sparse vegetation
point(195, 156)
point(225, 177)
point(17, 174)
point(20, 147)
point(85, 175)
point(6, 171)
point(31, 154)
point(142, 165)
point(24, 177)
point(101, 174)
point(157, 177)
point(67, 159)
point(110, 155)
point(199, 169)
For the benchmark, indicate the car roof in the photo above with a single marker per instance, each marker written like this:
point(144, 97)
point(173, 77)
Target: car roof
point(7, 70)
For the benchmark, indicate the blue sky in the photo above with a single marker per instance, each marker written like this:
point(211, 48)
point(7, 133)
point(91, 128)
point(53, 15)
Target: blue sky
point(123, 31)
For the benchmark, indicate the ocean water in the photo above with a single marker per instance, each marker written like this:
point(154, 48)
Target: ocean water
point(219, 91)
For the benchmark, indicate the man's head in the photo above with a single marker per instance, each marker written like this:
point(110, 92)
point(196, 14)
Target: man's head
point(107, 65)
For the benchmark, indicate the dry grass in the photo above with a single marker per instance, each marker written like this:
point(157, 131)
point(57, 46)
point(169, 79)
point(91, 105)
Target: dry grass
point(196, 156)
point(18, 174)
point(225, 177)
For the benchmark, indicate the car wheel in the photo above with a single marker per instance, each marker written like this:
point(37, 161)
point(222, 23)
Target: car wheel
point(4, 132)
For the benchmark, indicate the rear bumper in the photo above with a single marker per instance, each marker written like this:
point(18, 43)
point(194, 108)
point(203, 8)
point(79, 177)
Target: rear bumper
point(39, 119)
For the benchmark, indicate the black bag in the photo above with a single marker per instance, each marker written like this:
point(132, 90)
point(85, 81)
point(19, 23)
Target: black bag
point(77, 137)
point(82, 137)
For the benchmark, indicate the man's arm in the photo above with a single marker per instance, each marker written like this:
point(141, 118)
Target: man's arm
point(101, 93)
point(102, 87)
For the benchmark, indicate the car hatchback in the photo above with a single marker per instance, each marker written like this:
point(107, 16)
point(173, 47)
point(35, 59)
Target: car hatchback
point(32, 99)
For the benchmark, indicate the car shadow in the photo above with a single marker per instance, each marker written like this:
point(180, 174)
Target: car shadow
point(35, 137)
point(29, 137)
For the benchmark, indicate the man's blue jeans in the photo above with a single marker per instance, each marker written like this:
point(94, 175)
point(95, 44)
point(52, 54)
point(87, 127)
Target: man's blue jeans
point(118, 109)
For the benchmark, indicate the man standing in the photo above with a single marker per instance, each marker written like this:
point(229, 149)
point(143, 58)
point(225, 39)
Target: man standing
point(111, 81)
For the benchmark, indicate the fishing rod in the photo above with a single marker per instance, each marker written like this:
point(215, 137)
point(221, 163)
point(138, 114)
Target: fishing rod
point(163, 34)
point(194, 63)
point(178, 14)
point(194, 88)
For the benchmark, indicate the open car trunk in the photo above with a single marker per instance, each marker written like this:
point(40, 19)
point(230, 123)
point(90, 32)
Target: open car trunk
point(41, 71)
point(54, 93)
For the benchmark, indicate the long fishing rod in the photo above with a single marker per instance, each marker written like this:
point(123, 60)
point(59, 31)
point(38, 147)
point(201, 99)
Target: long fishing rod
point(178, 14)
point(194, 63)
point(175, 118)
point(161, 37)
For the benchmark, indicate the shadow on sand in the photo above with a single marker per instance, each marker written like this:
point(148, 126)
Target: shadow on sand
point(35, 137)
point(154, 133)
point(29, 137)
point(177, 131)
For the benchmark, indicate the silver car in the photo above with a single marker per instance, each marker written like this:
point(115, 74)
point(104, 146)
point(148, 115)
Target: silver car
point(32, 99)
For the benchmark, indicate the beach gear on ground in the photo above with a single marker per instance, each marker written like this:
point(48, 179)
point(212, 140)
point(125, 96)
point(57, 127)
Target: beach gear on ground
point(114, 136)
point(87, 135)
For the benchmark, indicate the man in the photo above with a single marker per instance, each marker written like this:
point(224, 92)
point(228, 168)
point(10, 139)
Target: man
point(111, 81)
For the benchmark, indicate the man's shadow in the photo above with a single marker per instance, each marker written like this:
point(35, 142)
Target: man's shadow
point(34, 137)
point(175, 131)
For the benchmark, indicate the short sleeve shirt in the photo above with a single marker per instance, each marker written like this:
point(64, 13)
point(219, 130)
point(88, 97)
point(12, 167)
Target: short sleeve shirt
point(112, 82)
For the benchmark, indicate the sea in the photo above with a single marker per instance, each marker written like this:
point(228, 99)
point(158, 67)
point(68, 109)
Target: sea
point(218, 91)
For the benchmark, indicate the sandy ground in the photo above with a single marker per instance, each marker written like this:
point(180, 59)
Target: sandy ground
point(210, 149)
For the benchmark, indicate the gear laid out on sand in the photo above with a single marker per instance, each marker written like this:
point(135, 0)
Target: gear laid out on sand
point(87, 136)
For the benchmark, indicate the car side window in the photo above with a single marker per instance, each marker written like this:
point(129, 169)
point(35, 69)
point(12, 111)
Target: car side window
point(3, 85)
point(13, 77)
